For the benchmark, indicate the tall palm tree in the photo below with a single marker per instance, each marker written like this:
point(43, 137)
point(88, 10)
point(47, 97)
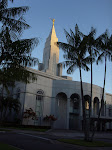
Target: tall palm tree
point(75, 55)
point(93, 52)
point(105, 45)
point(91, 48)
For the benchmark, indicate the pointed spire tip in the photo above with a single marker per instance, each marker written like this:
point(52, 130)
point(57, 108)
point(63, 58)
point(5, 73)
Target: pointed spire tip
point(53, 20)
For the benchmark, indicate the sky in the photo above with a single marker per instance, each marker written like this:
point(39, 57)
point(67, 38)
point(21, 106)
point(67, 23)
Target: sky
point(86, 13)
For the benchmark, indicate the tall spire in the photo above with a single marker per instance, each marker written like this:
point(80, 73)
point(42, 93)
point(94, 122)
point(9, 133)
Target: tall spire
point(52, 33)
point(51, 52)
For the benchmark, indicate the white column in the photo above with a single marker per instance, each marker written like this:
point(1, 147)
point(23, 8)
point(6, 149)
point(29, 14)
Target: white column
point(68, 107)
point(80, 108)
point(92, 108)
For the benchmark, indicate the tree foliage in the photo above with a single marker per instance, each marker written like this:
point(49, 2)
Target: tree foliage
point(75, 54)
point(81, 50)
point(75, 51)
point(8, 104)
point(15, 53)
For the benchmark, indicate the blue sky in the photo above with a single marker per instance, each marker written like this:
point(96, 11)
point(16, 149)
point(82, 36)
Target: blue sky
point(86, 13)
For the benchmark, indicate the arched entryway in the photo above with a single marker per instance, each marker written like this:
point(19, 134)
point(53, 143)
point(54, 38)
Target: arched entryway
point(74, 111)
point(61, 111)
point(96, 106)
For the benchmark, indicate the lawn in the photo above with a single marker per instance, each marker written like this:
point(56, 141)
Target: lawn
point(31, 129)
point(87, 144)
point(7, 147)
point(5, 130)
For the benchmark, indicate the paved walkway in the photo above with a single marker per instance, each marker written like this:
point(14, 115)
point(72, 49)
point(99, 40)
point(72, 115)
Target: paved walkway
point(57, 134)
point(65, 133)
point(72, 134)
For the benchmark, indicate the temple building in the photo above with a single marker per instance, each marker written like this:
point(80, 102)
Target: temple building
point(56, 95)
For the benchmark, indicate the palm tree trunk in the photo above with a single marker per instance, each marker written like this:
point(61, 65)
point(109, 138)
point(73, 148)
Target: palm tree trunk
point(90, 101)
point(91, 90)
point(83, 108)
point(88, 121)
point(101, 99)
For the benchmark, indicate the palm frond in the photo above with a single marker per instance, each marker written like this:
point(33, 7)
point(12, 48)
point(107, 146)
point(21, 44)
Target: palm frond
point(100, 58)
point(25, 45)
point(70, 38)
point(15, 25)
point(92, 32)
point(71, 68)
point(65, 47)
point(77, 31)
point(3, 4)
point(13, 12)
point(88, 60)
point(84, 66)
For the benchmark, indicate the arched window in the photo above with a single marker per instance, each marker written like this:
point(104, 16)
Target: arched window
point(74, 101)
point(86, 105)
point(39, 106)
point(39, 95)
point(96, 105)
point(87, 100)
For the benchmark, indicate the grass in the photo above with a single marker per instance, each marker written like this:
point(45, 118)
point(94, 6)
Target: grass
point(84, 143)
point(7, 147)
point(5, 130)
point(31, 129)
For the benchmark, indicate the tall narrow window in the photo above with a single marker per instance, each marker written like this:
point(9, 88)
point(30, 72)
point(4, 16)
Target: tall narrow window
point(39, 107)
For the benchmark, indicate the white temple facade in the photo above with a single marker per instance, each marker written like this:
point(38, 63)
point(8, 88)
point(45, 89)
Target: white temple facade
point(60, 96)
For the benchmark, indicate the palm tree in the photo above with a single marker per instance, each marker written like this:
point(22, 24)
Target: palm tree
point(92, 50)
point(75, 55)
point(90, 40)
point(105, 46)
